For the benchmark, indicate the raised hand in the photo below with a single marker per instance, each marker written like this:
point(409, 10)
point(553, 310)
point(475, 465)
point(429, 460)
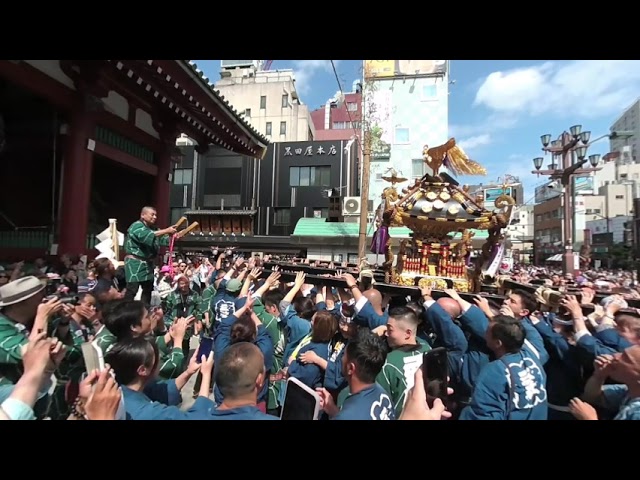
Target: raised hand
point(582, 410)
point(300, 279)
point(105, 398)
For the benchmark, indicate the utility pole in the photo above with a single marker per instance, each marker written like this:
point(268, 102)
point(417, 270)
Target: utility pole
point(364, 195)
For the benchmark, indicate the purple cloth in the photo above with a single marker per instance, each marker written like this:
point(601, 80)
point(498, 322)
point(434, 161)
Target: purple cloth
point(379, 242)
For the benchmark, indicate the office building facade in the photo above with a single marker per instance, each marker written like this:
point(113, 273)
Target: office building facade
point(406, 104)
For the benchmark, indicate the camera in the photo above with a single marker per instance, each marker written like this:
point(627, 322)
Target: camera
point(65, 299)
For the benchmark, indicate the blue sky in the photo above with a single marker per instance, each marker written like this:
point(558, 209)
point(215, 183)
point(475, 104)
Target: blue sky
point(499, 108)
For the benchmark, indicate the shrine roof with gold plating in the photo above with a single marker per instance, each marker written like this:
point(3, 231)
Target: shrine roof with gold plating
point(439, 203)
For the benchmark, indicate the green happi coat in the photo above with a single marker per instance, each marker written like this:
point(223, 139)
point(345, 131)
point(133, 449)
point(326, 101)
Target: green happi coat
point(143, 244)
point(205, 306)
point(12, 339)
point(173, 308)
point(173, 304)
point(171, 359)
point(276, 332)
point(70, 369)
point(398, 372)
point(105, 340)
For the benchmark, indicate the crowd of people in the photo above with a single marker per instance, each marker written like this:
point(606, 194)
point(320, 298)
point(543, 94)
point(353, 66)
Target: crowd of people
point(531, 357)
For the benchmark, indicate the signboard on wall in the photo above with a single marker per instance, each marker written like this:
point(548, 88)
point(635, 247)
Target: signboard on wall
point(491, 194)
point(403, 68)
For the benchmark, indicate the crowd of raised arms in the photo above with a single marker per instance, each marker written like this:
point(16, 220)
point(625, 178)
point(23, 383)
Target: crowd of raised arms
point(219, 339)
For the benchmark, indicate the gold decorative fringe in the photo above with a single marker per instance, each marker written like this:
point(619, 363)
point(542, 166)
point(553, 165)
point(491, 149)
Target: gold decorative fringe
point(461, 164)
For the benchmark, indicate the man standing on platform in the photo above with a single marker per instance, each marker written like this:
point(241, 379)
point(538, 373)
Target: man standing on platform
point(142, 247)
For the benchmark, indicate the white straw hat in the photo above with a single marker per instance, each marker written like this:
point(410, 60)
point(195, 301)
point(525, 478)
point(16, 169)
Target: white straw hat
point(20, 290)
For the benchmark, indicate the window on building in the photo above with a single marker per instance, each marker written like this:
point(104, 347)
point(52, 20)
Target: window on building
point(429, 92)
point(352, 258)
point(310, 176)
point(183, 176)
point(263, 102)
point(352, 107)
point(283, 128)
point(282, 216)
point(378, 177)
point(320, 212)
point(401, 135)
point(285, 100)
point(418, 168)
point(268, 129)
point(619, 197)
point(247, 112)
point(338, 257)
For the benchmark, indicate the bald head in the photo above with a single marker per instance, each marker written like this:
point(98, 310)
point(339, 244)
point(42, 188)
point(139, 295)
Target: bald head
point(148, 215)
point(450, 306)
point(237, 371)
point(375, 298)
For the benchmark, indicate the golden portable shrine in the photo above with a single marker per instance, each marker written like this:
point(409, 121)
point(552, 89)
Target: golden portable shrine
point(435, 208)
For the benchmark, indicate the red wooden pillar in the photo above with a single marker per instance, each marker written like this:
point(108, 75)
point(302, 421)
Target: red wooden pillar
point(162, 186)
point(76, 184)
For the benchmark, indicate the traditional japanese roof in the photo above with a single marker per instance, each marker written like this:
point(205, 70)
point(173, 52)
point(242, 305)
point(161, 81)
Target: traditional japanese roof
point(191, 99)
point(207, 84)
point(220, 212)
point(439, 207)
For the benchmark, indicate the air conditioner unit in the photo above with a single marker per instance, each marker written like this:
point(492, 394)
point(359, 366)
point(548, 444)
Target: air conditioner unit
point(351, 206)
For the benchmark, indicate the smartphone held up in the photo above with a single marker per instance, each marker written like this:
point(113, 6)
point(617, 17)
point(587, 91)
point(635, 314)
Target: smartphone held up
point(435, 372)
point(205, 348)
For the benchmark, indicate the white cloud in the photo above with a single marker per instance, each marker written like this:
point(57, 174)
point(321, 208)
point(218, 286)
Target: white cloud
point(305, 70)
point(584, 88)
point(475, 141)
point(492, 123)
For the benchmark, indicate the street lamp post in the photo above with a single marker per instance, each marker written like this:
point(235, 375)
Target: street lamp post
point(568, 143)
